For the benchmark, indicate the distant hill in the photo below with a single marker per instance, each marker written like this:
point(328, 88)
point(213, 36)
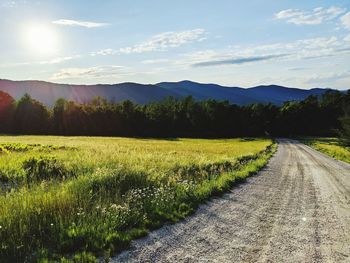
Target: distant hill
point(48, 93)
point(209, 91)
point(264, 94)
point(278, 94)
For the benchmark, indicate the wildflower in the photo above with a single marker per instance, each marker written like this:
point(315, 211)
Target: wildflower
point(114, 206)
point(51, 224)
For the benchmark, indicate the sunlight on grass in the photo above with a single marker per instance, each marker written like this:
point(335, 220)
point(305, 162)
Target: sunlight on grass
point(334, 147)
point(89, 196)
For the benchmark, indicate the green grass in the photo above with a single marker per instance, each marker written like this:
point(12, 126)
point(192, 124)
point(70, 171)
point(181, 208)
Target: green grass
point(72, 199)
point(334, 147)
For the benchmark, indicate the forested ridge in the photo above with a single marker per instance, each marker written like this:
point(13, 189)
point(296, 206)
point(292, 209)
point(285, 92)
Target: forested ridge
point(326, 115)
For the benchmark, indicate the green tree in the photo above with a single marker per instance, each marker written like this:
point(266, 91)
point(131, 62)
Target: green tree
point(345, 118)
point(58, 114)
point(31, 116)
point(7, 108)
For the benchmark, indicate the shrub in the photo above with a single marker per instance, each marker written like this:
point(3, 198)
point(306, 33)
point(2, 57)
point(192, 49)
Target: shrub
point(83, 257)
point(3, 177)
point(3, 150)
point(17, 147)
point(44, 168)
point(117, 182)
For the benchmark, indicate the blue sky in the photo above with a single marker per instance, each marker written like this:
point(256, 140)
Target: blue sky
point(296, 43)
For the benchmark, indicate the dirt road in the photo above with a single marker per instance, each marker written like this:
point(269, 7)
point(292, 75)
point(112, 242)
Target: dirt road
point(296, 210)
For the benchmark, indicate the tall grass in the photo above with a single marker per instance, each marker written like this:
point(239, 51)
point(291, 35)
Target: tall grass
point(121, 189)
point(334, 147)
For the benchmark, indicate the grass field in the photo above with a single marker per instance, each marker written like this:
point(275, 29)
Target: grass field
point(334, 147)
point(72, 199)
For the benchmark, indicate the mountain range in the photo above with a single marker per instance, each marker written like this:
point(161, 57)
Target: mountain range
point(48, 93)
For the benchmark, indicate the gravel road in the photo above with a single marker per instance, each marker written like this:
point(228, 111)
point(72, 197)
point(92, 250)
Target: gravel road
point(296, 210)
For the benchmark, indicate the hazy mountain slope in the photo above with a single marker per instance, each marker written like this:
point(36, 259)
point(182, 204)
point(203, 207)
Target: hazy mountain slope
point(278, 94)
point(264, 94)
point(209, 91)
point(49, 92)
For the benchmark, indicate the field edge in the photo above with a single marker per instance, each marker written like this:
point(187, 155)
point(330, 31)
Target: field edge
point(251, 166)
point(335, 148)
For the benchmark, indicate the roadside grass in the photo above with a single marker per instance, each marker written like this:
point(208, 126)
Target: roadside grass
point(104, 192)
point(334, 147)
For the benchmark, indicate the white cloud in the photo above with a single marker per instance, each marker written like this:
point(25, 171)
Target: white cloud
point(296, 50)
point(105, 52)
point(16, 64)
point(58, 60)
point(317, 16)
point(9, 4)
point(167, 40)
point(345, 19)
point(92, 72)
point(160, 42)
point(155, 61)
point(87, 24)
point(308, 45)
point(328, 78)
point(298, 69)
point(44, 62)
point(13, 3)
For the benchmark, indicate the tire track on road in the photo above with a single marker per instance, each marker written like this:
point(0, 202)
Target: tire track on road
point(295, 210)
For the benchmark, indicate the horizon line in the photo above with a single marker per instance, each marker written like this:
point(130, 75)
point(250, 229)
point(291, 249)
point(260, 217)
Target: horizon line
point(184, 80)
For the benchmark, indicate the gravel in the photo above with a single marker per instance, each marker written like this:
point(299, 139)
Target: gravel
point(297, 209)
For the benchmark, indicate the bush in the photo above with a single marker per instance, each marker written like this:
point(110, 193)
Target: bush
point(83, 257)
point(44, 168)
point(117, 182)
point(3, 177)
point(17, 147)
point(3, 150)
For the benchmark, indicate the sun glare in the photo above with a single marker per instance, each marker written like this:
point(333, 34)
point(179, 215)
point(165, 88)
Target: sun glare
point(40, 38)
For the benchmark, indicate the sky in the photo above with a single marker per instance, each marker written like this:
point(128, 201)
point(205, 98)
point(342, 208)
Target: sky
point(303, 44)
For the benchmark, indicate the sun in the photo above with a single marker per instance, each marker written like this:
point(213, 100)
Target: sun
point(40, 38)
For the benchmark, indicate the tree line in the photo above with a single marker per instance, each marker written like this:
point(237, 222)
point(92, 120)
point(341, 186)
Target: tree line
point(327, 115)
